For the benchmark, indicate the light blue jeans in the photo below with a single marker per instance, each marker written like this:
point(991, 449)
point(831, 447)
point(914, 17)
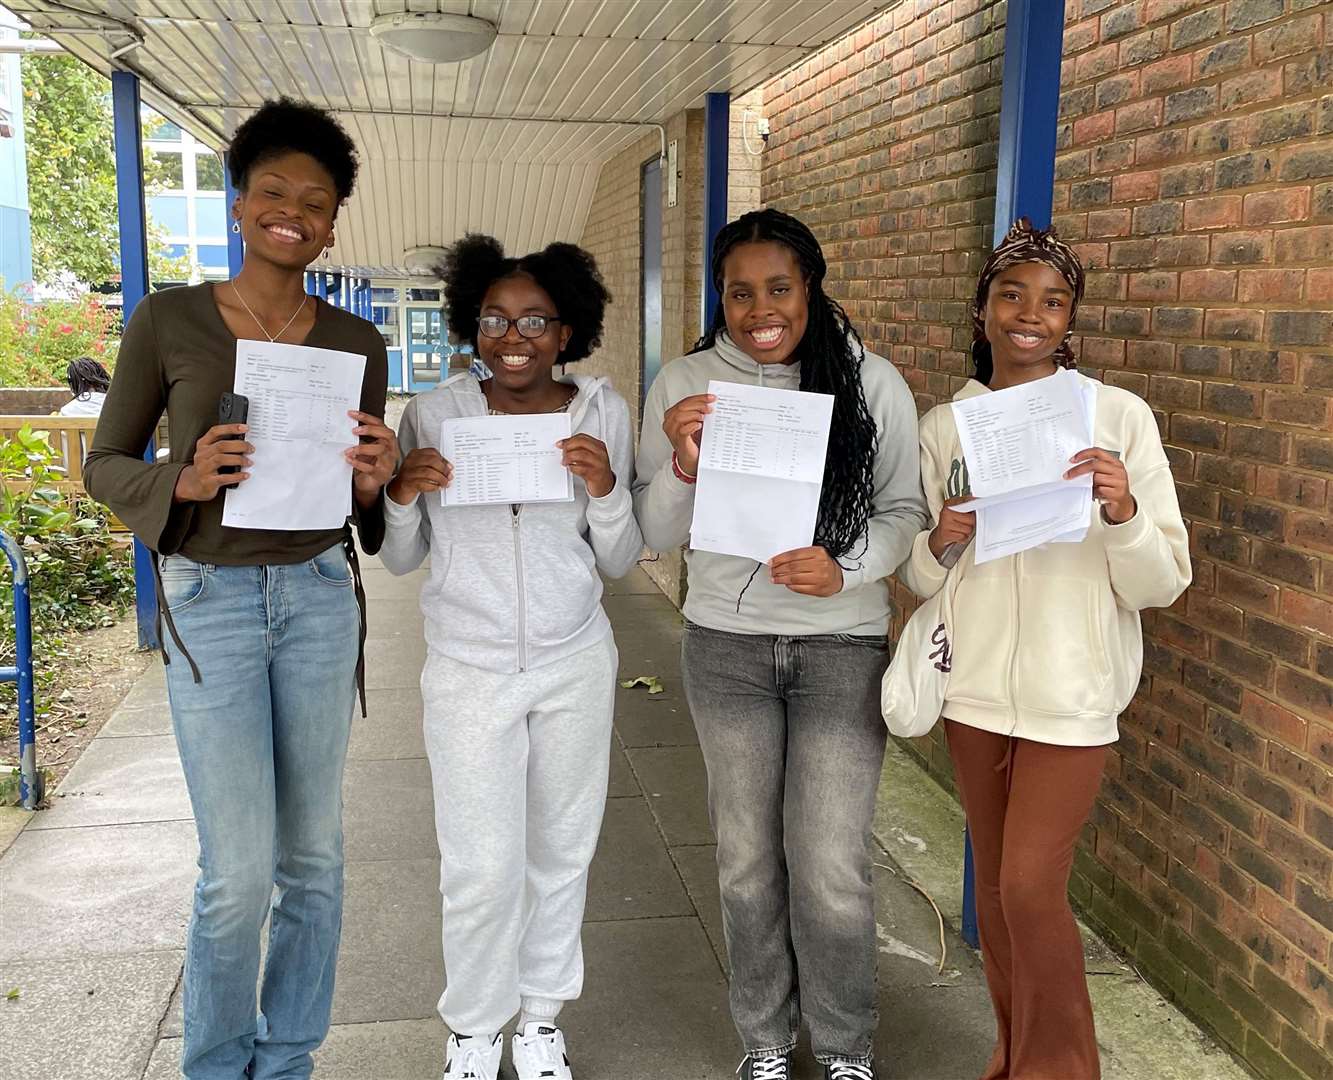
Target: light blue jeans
point(262, 738)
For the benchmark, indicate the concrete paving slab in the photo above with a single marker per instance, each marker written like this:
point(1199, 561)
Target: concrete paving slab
point(621, 783)
point(648, 637)
point(394, 663)
point(908, 932)
point(675, 783)
point(97, 891)
point(390, 967)
point(697, 866)
point(149, 689)
point(395, 1050)
point(127, 722)
point(383, 585)
point(632, 875)
point(388, 811)
point(654, 1005)
point(85, 1018)
point(635, 583)
point(13, 820)
point(118, 781)
point(391, 727)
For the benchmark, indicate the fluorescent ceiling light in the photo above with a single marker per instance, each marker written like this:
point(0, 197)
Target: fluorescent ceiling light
point(433, 37)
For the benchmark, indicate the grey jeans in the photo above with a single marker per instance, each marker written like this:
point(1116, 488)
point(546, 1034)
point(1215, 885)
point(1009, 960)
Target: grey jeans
point(792, 736)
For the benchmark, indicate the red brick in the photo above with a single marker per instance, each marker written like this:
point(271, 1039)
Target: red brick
point(1094, 128)
point(1168, 74)
point(1300, 931)
point(1284, 204)
point(1277, 720)
point(1309, 612)
point(1216, 212)
point(1208, 285)
point(1234, 324)
point(1152, 286)
point(1133, 187)
point(1141, 116)
point(1257, 286)
point(1319, 285)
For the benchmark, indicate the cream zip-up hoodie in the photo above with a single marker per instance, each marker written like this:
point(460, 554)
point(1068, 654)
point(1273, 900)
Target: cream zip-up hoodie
point(1047, 643)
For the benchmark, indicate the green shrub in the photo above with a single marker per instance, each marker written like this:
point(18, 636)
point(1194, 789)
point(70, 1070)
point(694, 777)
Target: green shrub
point(37, 341)
point(79, 576)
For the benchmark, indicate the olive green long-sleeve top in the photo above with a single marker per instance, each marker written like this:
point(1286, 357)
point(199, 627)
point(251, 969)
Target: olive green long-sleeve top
point(177, 355)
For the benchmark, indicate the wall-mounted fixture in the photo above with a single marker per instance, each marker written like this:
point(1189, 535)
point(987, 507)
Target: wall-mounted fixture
point(433, 37)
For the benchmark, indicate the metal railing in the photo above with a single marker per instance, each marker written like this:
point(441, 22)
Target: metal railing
point(30, 781)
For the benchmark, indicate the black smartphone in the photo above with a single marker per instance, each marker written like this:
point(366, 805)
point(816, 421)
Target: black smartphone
point(232, 409)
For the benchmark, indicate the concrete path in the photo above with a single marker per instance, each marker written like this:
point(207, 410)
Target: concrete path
point(95, 894)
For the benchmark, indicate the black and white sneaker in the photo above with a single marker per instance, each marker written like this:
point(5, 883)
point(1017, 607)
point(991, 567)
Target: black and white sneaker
point(850, 1070)
point(768, 1067)
point(539, 1053)
point(474, 1057)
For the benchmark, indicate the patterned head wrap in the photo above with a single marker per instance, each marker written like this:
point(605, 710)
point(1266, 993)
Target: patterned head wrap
point(1024, 243)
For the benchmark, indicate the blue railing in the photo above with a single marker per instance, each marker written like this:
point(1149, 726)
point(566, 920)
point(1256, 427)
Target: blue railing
point(30, 781)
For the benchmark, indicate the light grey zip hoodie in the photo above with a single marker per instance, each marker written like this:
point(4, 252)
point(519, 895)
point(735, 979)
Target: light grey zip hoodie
point(513, 588)
point(665, 506)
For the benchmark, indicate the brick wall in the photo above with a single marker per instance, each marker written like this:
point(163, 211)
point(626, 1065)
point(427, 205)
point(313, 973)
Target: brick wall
point(1195, 172)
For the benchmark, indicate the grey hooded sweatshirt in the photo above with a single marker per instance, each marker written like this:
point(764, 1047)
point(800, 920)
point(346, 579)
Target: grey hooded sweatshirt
point(513, 588)
point(665, 506)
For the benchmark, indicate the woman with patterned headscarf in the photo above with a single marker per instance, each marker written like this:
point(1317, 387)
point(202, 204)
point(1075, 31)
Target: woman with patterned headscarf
point(1047, 651)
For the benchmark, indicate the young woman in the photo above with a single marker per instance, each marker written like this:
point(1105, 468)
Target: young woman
point(782, 663)
point(263, 627)
point(88, 382)
point(520, 671)
point(1047, 651)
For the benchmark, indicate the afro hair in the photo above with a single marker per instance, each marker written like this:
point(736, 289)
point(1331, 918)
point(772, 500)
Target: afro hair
point(283, 126)
point(567, 273)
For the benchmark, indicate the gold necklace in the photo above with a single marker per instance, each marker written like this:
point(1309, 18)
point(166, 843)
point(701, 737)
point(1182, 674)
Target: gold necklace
point(271, 337)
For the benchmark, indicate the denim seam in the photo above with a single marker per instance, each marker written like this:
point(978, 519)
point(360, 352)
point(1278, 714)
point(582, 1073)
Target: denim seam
point(846, 1059)
point(775, 1051)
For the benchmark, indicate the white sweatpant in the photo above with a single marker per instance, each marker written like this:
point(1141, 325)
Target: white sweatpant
point(519, 763)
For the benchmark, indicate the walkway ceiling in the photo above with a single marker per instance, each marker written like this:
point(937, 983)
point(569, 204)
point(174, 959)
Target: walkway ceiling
point(441, 150)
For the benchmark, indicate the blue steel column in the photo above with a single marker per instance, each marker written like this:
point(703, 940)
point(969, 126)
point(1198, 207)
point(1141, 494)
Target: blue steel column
point(30, 779)
point(133, 287)
point(1024, 183)
point(717, 133)
point(1029, 107)
point(235, 245)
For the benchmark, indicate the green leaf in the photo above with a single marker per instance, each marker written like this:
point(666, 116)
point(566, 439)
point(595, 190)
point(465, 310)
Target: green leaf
point(652, 682)
point(12, 995)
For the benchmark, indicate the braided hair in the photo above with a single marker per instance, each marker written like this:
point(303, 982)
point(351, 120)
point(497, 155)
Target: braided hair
point(86, 376)
point(1023, 243)
point(830, 353)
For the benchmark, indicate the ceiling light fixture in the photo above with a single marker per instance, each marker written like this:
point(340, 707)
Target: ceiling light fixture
point(423, 261)
point(433, 37)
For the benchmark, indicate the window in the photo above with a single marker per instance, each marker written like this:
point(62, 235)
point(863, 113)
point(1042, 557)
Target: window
point(171, 212)
point(211, 255)
point(432, 295)
point(208, 172)
point(211, 217)
point(169, 169)
point(383, 295)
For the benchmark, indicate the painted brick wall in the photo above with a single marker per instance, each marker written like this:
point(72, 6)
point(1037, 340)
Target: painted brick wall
point(1195, 173)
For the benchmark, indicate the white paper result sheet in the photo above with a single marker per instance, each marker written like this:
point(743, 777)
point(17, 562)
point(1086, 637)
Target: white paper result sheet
point(1024, 435)
point(1058, 512)
point(761, 467)
point(299, 427)
point(506, 459)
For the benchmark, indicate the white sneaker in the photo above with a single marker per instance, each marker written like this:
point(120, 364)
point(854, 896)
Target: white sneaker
point(539, 1053)
point(473, 1057)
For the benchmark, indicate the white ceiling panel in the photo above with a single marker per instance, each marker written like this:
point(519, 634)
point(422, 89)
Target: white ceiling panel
point(510, 142)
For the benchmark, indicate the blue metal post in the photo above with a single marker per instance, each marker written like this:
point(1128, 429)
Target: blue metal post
point(235, 245)
point(30, 780)
point(125, 107)
point(1024, 183)
point(717, 133)
point(321, 284)
point(310, 282)
point(1029, 106)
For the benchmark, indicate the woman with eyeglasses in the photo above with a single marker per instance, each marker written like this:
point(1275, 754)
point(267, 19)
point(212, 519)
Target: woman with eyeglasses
point(519, 679)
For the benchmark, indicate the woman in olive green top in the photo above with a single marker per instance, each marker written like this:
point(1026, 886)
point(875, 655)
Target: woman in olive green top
point(264, 631)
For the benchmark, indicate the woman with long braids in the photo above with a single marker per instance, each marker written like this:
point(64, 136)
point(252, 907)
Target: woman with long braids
point(1047, 651)
point(782, 676)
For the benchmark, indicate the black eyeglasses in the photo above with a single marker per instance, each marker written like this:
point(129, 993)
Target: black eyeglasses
point(529, 326)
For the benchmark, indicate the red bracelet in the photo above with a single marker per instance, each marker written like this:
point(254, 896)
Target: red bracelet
point(681, 474)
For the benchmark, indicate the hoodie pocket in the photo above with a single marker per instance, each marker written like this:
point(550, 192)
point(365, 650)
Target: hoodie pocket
point(1063, 666)
point(477, 601)
point(561, 592)
point(983, 635)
